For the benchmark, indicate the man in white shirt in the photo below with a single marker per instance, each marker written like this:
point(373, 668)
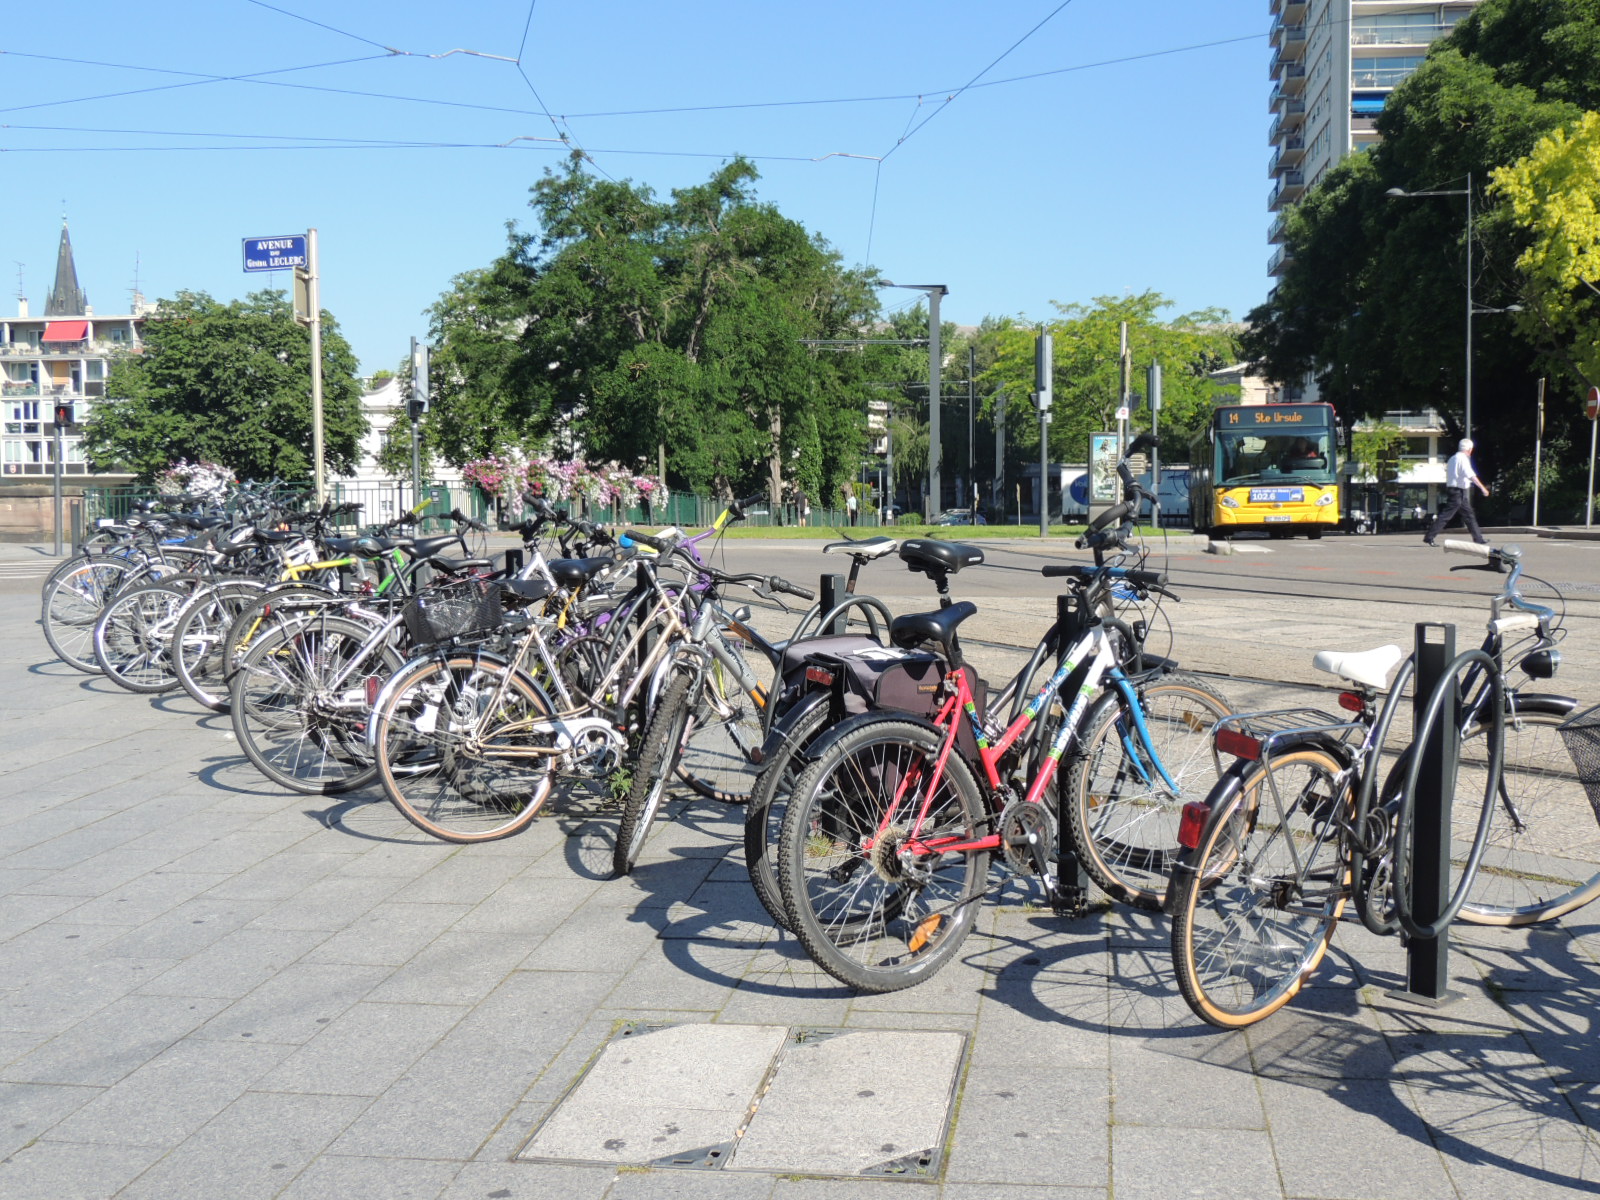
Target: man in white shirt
point(1459, 480)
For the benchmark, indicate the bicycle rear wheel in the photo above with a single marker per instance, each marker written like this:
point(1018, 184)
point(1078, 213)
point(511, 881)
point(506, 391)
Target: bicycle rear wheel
point(300, 701)
point(1124, 822)
point(1255, 913)
point(71, 602)
point(199, 636)
point(652, 770)
point(132, 638)
point(459, 747)
point(726, 730)
point(872, 895)
point(769, 804)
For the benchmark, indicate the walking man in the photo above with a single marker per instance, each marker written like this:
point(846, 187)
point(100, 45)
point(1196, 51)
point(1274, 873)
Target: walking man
point(1459, 480)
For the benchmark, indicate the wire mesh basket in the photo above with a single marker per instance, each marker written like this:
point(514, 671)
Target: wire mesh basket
point(471, 608)
point(1580, 734)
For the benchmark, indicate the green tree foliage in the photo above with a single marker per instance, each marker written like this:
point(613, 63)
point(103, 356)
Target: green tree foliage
point(229, 383)
point(1088, 371)
point(667, 328)
point(1373, 302)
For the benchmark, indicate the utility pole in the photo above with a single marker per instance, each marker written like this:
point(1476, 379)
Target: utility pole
point(416, 408)
point(1043, 379)
point(972, 430)
point(1153, 392)
point(999, 491)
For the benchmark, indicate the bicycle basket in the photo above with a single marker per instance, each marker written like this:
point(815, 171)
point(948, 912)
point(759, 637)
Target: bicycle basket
point(456, 610)
point(1580, 734)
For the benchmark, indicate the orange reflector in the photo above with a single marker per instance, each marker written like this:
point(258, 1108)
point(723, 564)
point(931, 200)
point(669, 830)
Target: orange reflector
point(374, 686)
point(819, 675)
point(925, 931)
point(1240, 745)
point(1193, 821)
point(1351, 701)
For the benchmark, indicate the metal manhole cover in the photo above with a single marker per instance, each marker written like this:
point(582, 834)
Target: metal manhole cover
point(767, 1098)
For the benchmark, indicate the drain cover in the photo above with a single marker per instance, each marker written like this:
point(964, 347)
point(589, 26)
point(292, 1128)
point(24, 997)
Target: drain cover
point(763, 1098)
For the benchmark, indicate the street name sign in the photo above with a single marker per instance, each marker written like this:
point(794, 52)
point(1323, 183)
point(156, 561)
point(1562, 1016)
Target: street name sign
point(275, 253)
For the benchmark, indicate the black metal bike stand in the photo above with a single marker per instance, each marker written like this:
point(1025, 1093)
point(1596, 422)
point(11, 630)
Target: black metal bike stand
point(1071, 895)
point(1428, 959)
point(830, 593)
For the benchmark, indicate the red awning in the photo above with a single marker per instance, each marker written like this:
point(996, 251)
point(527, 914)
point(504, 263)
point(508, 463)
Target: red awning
point(65, 331)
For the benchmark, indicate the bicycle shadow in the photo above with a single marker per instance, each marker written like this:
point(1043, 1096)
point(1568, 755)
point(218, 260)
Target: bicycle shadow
point(1503, 1081)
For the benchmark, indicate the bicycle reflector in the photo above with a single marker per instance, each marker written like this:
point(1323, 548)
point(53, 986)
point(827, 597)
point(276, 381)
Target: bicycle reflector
point(1352, 701)
point(819, 675)
point(1192, 823)
point(1240, 745)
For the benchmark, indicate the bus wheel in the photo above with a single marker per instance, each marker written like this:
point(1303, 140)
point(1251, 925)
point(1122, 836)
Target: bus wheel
point(1313, 534)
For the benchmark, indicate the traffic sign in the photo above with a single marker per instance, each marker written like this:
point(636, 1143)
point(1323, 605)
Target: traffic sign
point(275, 253)
point(1591, 406)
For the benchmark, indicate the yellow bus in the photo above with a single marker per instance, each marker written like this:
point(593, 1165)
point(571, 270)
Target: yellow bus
point(1270, 468)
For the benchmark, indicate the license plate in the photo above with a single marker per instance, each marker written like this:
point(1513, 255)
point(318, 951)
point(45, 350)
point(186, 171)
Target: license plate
point(1275, 518)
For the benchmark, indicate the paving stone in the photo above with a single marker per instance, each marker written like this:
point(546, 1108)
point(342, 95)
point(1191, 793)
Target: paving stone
point(116, 1040)
point(186, 929)
point(457, 967)
point(1205, 1164)
point(293, 1005)
point(1049, 1128)
point(347, 1178)
point(72, 1170)
point(235, 964)
point(529, 1181)
point(144, 898)
point(363, 1051)
point(229, 1158)
point(1176, 1083)
point(32, 1108)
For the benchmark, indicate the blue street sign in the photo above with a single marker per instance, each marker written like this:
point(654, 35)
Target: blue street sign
point(275, 253)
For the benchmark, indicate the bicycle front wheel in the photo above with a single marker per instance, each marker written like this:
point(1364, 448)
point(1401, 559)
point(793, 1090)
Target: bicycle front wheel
point(726, 731)
point(132, 638)
point(1123, 819)
point(878, 861)
point(769, 804)
point(71, 602)
point(1542, 858)
point(1255, 913)
point(652, 769)
point(464, 749)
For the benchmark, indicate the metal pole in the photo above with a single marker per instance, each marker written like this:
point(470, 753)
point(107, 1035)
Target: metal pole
point(56, 486)
point(972, 429)
point(1538, 450)
point(1469, 304)
point(1000, 453)
point(1427, 960)
point(1044, 473)
point(314, 303)
point(935, 360)
point(1154, 399)
point(1122, 397)
point(1588, 514)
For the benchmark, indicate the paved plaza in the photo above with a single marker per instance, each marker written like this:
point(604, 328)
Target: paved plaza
point(212, 989)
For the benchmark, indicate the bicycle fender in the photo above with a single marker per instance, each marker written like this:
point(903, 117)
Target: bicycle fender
point(1541, 702)
point(783, 727)
point(1222, 794)
point(825, 740)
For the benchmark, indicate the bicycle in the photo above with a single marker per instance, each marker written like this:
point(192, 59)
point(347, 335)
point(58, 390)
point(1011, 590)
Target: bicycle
point(1298, 825)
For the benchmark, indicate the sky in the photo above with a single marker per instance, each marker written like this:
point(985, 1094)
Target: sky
point(1021, 152)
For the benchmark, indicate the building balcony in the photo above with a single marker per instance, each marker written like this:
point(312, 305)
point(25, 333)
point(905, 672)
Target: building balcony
point(1279, 229)
point(17, 390)
point(1290, 187)
point(1291, 77)
point(1286, 155)
point(1278, 260)
point(1286, 124)
point(1289, 41)
point(1396, 35)
point(1380, 77)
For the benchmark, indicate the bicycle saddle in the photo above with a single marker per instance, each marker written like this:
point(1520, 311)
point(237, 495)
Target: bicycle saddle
point(1369, 668)
point(929, 556)
point(574, 572)
point(912, 629)
point(866, 548)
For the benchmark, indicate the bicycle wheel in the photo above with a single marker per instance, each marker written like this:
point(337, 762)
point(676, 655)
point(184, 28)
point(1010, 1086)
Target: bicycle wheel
point(71, 602)
point(199, 635)
point(133, 635)
point(653, 769)
point(300, 702)
point(872, 895)
point(769, 803)
point(1269, 880)
point(459, 749)
point(256, 618)
point(1123, 820)
point(726, 731)
point(1543, 853)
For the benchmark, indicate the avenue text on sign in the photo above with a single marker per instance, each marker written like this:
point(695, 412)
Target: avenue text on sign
point(275, 253)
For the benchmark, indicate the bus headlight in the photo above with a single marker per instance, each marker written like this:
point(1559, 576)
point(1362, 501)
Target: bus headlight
point(1325, 498)
point(1229, 502)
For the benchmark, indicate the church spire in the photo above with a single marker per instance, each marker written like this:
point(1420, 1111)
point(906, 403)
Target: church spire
point(66, 299)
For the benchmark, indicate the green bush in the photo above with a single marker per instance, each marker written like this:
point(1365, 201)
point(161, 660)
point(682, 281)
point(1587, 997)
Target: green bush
point(910, 519)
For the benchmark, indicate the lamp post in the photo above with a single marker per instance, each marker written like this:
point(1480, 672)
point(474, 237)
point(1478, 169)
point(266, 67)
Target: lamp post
point(1402, 194)
point(935, 292)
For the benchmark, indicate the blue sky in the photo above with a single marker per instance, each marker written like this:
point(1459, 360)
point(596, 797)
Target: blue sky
point(1020, 151)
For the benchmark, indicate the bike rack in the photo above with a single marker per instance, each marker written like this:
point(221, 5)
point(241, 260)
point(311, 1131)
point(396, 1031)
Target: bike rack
point(830, 593)
point(1071, 895)
point(1428, 959)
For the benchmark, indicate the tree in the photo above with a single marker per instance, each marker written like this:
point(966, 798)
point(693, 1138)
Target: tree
point(677, 323)
point(231, 384)
point(1554, 198)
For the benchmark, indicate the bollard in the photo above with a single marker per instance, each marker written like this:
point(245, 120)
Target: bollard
point(1071, 895)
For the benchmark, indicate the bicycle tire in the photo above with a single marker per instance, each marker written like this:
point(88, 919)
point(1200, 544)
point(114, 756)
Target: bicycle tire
point(200, 634)
point(133, 635)
point(71, 601)
point(653, 769)
point(716, 761)
point(426, 760)
point(252, 620)
point(869, 910)
point(1122, 822)
point(1255, 912)
point(299, 703)
point(1551, 865)
point(769, 803)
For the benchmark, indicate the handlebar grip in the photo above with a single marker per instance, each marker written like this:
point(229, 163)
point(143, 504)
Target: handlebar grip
point(1074, 571)
point(1145, 578)
point(1116, 514)
point(774, 584)
point(1455, 546)
point(648, 539)
point(1512, 621)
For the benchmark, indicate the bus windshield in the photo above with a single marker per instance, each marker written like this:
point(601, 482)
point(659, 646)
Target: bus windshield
point(1251, 456)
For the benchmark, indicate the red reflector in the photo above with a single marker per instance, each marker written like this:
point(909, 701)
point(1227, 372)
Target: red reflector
point(374, 686)
point(819, 675)
point(1240, 745)
point(1351, 701)
point(1195, 815)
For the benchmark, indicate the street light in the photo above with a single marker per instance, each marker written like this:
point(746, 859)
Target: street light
point(935, 292)
point(1401, 194)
